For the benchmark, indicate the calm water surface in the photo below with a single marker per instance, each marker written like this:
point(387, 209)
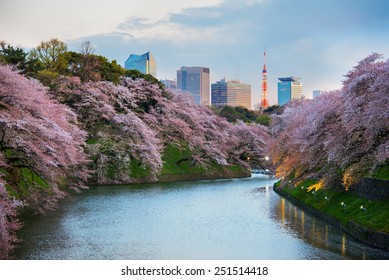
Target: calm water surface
point(218, 219)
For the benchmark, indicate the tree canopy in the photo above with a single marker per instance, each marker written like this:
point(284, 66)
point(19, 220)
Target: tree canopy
point(41, 150)
point(339, 136)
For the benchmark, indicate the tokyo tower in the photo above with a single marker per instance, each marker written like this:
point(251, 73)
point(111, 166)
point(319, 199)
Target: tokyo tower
point(264, 101)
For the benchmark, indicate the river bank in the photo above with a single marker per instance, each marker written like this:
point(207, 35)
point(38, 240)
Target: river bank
point(363, 219)
point(177, 166)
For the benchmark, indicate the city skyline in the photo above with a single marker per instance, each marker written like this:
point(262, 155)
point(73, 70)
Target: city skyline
point(318, 41)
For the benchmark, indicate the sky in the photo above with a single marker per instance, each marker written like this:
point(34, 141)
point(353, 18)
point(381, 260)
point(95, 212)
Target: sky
point(319, 41)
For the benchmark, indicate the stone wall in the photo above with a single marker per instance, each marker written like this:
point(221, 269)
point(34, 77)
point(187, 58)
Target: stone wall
point(370, 237)
point(372, 189)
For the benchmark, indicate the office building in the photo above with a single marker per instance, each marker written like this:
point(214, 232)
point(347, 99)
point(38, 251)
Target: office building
point(231, 93)
point(289, 88)
point(219, 93)
point(195, 80)
point(169, 83)
point(144, 63)
point(316, 93)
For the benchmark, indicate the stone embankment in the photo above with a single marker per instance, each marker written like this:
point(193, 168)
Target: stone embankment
point(365, 235)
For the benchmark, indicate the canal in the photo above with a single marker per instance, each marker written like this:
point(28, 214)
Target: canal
point(214, 219)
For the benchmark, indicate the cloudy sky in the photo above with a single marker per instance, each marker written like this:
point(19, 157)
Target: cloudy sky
point(318, 41)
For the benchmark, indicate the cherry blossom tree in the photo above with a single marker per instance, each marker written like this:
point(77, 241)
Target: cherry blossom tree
point(179, 121)
point(118, 137)
point(365, 117)
point(248, 141)
point(8, 221)
point(136, 120)
point(339, 134)
point(41, 149)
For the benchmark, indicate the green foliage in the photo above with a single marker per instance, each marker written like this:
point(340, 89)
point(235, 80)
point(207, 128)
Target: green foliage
point(275, 109)
point(263, 120)
point(382, 173)
point(109, 71)
point(249, 114)
point(91, 67)
point(136, 74)
point(232, 115)
point(50, 54)
point(74, 62)
point(133, 74)
point(32, 67)
point(18, 57)
point(51, 59)
point(12, 55)
point(48, 78)
point(375, 216)
point(2, 107)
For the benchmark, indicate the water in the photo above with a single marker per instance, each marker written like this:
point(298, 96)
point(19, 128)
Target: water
point(218, 219)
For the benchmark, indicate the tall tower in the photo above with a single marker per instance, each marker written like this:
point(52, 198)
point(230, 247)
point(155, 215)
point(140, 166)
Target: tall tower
point(264, 101)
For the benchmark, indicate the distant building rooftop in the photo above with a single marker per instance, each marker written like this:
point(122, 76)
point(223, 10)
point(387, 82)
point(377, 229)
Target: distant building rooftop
point(289, 79)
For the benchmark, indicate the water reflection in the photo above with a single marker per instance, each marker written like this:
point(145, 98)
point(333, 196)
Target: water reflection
point(320, 234)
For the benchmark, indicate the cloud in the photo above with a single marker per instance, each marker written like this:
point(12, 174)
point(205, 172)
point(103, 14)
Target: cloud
point(228, 22)
point(229, 13)
point(317, 40)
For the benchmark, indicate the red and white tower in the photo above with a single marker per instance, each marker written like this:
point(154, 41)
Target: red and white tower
point(264, 101)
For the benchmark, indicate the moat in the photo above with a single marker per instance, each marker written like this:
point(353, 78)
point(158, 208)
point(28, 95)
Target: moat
point(213, 219)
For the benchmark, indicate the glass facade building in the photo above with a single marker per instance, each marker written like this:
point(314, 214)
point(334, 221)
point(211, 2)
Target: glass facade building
point(231, 93)
point(219, 93)
point(169, 83)
point(289, 88)
point(196, 81)
point(144, 63)
point(316, 93)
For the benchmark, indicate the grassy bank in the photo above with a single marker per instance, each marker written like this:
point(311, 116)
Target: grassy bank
point(176, 163)
point(382, 173)
point(342, 206)
point(178, 166)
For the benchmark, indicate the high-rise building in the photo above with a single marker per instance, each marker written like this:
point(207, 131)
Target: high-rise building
point(264, 101)
point(169, 83)
point(289, 88)
point(316, 93)
point(219, 93)
point(195, 80)
point(231, 93)
point(144, 63)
